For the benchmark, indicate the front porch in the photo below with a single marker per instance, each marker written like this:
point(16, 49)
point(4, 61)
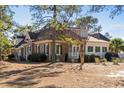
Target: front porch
point(64, 51)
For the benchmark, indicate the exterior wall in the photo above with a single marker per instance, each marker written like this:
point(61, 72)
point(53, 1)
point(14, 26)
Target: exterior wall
point(66, 49)
point(97, 44)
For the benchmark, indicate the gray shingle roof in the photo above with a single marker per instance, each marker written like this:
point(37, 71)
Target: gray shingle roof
point(46, 34)
point(21, 42)
point(99, 36)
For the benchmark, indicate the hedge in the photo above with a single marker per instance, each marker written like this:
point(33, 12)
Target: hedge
point(109, 56)
point(90, 58)
point(37, 57)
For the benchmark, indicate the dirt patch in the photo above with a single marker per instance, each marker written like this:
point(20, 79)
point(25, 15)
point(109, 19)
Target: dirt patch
point(59, 75)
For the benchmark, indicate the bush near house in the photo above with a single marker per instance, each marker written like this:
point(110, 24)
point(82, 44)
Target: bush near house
point(115, 61)
point(22, 58)
point(90, 58)
point(11, 57)
point(37, 57)
point(110, 55)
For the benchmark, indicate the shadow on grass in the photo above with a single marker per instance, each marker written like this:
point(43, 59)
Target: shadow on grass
point(50, 86)
point(3, 67)
point(15, 72)
point(28, 77)
point(26, 62)
point(22, 81)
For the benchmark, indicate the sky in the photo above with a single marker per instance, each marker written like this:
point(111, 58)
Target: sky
point(115, 26)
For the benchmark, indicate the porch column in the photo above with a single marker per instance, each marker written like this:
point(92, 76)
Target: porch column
point(49, 51)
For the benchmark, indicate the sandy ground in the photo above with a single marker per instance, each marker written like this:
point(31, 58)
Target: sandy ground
point(59, 75)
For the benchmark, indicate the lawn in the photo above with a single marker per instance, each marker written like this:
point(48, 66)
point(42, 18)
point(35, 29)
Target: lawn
point(59, 75)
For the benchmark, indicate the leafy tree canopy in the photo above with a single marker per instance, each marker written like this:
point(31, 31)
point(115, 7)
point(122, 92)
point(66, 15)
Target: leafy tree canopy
point(116, 45)
point(5, 18)
point(114, 10)
point(44, 14)
point(89, 23)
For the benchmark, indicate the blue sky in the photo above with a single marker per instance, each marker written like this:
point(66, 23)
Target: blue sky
point(114, 26)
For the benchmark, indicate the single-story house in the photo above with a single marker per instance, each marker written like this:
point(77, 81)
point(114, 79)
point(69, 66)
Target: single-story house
point(40, 42)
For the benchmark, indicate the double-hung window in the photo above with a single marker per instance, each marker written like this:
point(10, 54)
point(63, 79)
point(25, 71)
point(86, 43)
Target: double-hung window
point(104, 49)
point(75, 50)
point(58, 49)
point(97, 49)
point(90, 48)
point(46, 48)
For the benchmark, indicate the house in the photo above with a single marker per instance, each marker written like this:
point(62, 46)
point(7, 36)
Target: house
point(41, 42)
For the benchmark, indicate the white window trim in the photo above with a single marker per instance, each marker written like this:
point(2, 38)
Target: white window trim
point(99, 47)
point(59, 49)
point(76, 52)
point(106, 49)
point(88, 47)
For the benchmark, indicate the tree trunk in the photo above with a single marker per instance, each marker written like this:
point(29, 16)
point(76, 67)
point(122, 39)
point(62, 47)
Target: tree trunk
point(1, 47)
point(53, 36)
point(53, 51)
point(82, 53)
point(0, 54)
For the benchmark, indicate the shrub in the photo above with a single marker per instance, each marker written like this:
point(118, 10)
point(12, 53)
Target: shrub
point(97, 59)
point(92, 58)
point(11, 57)
point(22, 58)
point(43, 57)
point(89, 58)
point(115, 61)
point(105, 62)
point(109, 56)
point(86, 58)
point(37, 57)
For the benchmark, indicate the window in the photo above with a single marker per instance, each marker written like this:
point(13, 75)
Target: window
point(58, 49)
point(46, 49)
point(75, 50)
point(90, 49)
point(104, 49)
point(36, 49)
point(97, 49)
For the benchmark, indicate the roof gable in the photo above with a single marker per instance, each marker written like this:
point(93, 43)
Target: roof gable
point(99, 36)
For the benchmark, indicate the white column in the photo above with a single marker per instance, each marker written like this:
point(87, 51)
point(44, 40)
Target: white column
point(94, 49)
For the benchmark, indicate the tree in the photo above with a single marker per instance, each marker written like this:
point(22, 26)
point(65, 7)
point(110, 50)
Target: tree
point(116, 45)
point(58, 17)
point(114, 10)
point(90, 24)
point(21, 30)
point(5, 24)
point(6, 44)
